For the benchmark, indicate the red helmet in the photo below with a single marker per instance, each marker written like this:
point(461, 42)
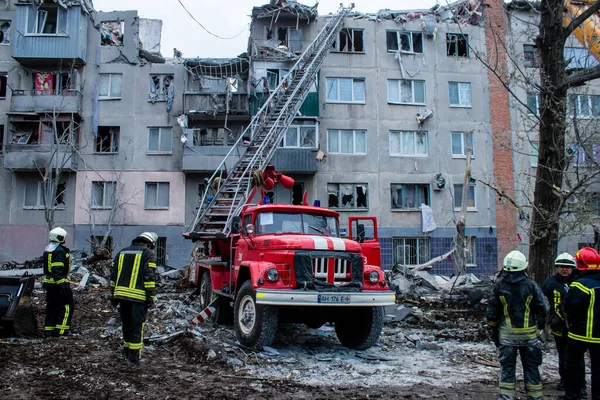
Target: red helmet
point(587, 259)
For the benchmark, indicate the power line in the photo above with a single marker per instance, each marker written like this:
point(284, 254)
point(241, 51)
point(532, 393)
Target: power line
point(209, 32)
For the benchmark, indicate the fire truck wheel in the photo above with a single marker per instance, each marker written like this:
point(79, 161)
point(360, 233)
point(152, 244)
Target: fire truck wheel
point(359, 328)
point(223, 314)
point(255, 325)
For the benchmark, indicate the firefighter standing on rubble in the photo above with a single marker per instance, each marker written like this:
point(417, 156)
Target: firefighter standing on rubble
point(59, 296)
point(516, 308)
point(555, 289)
point(582, 311)
point(133, 283)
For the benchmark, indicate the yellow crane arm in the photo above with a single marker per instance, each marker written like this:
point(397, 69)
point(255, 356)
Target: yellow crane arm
point(588, 33)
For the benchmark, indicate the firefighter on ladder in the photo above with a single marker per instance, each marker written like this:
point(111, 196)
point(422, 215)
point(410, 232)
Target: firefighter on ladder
point(516, 307)
point(133, 283)
point(59, 296)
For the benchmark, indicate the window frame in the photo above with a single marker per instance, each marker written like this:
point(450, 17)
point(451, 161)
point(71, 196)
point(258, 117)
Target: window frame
point(158, 186)
point(106, 204)
point(398, 83)
point(350, 33)
point(42, 8)
point(472, 184)
point(401, 146)
point(410, 35)
point(159, 140)
point(338, 81)
point(113, 137)
point(464, 136)
point(339, 141)
point(162, 92)
point(354, 200)
point(458, 86)
point(533, 96)
point(580, 99)
point(417, 188)
point(40, 196)
point(421, 243)
point(530, 56)
point(453, 40)
point(299, 137)
point(110, 95)
point(6, 35)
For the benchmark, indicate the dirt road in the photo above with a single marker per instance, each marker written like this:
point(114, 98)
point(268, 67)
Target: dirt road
point(427, 358)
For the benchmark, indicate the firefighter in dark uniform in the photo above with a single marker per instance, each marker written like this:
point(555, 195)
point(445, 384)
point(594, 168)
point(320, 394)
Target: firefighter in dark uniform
point(133, 281)
point(582, 311)
point(555, 289)
point(516, 311)
point(59, 296)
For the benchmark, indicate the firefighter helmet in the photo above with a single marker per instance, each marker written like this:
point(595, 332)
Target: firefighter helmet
point(149, 237)
point(565, 259)
point(57, 234)
point(587, 259)
point(514, 261)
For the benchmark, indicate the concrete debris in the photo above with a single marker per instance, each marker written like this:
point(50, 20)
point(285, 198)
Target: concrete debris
point(427, 280)
point(21, 272)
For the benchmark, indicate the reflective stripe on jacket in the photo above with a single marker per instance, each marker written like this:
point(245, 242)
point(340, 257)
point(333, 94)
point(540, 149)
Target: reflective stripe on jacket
point(582, 309)
point(57, 265)
point(516, 306)
point(133, 275)
point(555, 289)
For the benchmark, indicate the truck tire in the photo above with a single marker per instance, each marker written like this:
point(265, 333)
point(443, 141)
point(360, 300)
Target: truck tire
point(359, 327)
point(255, 324)
point(223, 314)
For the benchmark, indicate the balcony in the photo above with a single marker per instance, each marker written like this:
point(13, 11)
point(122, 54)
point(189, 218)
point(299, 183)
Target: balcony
point(204, 158)
point(35, 101)
point(295, 160)
point(36, 157)
point(214, 103)
point(309, 108)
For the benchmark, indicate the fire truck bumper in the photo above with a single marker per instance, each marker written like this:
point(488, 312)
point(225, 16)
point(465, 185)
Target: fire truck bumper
point(313, 298)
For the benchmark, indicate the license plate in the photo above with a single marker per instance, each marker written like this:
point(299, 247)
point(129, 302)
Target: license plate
point(329, 298)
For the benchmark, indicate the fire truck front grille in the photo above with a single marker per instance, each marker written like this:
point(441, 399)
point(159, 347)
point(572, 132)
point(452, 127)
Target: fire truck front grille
point(323, 266)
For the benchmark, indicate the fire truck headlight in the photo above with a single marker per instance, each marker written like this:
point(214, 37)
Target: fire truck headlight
point(373, 276)
point(272, 274)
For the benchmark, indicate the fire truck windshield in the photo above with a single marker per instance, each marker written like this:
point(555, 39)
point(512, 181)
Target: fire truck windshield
point(310, 224)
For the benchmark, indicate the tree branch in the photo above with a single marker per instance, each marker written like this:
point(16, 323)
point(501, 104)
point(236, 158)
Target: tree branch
point(581, 77)
point(578, 20)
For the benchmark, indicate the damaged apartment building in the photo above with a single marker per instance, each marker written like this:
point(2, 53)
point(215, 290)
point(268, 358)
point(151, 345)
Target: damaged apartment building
point(384, 130)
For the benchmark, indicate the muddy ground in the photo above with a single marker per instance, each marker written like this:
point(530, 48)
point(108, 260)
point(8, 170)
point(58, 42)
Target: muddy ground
point(439, 354)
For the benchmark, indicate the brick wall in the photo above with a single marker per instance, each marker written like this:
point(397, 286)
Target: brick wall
point(501, 128)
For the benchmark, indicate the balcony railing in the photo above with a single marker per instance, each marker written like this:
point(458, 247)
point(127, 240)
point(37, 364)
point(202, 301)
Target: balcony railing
point(213, 103)
point(64, 101)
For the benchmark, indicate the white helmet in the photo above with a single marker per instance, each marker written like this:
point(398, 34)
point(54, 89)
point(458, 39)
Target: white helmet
point(149, 236)
point(57, 234)
point(565, 259)
point(515, 261)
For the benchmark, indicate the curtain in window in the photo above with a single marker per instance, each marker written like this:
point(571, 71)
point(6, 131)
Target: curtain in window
point(347, 142)
point(453, 93)
point(31, 194)
point(332, 141)
point(153, 139)
point(359, 90)
point(406, 91)
point(116, 83)
point(345, 89)
point(97, 194)
point(332, 89)
point(104, 85)
point(307, 137)
point(421, 142)
point(393, 95)
point(464, 94)
point(457, 143)
point(151, 190)
point(408, 143)
point(419, 90)
point(395, 143)
point(165, 139)
point(163, 194)
point(361, 142)
point(291, 137)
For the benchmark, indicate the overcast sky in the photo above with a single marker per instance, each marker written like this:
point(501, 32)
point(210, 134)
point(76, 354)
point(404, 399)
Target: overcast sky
point(225, 18)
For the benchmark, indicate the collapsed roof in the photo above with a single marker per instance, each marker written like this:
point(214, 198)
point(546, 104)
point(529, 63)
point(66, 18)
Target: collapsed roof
point(285, 8)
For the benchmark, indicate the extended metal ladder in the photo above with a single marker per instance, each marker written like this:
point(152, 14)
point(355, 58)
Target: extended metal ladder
point(266, 130)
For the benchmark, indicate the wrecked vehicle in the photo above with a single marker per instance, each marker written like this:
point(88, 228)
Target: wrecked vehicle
point(289, 264)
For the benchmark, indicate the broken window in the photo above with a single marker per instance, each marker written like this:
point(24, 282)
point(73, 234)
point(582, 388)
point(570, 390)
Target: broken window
point(41, 132)
point(404, 91)
point(409, 143)
point(4, 32)
point(411, 251)
point(471, 203)
point(110, 86)
point(303, 135)
point(347, 195)
point(457, 45)
point(460, 142)
point(111, 33)
point(157, 195)
point(159, 87)
point(107, 140)
point(346, 90)
point(409, 196)
point(406, 42)
point(161, 250)
point(533, 103)
point(25, 133)
point(3, 84)
point(470, 256)
point(34, 195)
point(297, 193)
point(346, 141)
point(47, 19)
point(531, 58)
point(160, 140)
point(213, 136)
point(459, 94)
point(103, 194)
point(53, 83)
point(349, 40)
